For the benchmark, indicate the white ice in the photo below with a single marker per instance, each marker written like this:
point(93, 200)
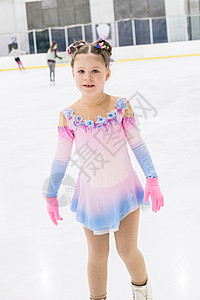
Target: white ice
point(40, 261)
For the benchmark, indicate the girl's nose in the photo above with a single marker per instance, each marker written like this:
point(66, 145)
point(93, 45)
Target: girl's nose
point(88, 77)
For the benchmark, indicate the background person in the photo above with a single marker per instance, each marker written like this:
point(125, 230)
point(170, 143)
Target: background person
point(51, 60)
point(16, 53)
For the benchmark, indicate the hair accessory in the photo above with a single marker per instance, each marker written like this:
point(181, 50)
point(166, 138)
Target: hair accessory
point(101, 43)
point(73, 45)
point(68, 51)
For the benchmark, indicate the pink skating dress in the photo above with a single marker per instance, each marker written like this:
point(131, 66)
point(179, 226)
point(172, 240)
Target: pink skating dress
point(107, 188)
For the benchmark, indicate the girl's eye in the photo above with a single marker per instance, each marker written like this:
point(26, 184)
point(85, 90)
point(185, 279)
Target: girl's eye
point(82, 71)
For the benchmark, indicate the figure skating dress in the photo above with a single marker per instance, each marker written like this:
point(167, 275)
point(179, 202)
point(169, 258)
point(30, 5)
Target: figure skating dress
point(107, 188)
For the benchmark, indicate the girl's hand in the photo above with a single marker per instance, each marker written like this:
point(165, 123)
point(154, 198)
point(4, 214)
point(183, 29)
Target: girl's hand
point(53, 210)
point(152, 188)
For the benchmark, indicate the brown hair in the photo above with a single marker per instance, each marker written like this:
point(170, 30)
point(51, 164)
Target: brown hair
point(101, 48)
point(53, 44)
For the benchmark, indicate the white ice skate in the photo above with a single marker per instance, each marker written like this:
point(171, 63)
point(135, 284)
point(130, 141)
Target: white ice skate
point(142, 292)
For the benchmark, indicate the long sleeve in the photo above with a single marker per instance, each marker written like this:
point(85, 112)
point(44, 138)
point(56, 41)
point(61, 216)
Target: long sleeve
point(55, 52)
point(136, 143)
point(61, 158)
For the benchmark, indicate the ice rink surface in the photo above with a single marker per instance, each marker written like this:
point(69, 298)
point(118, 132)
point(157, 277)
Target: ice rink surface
point(40, 261)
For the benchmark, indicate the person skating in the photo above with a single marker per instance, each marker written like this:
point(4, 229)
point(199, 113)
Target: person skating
point(108, 194)
point(51, 60)
point(16, 53)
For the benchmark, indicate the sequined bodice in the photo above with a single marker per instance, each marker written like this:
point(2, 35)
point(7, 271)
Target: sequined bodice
point(76, 121)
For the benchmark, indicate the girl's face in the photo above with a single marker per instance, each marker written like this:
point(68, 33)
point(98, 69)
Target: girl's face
point(90, 74)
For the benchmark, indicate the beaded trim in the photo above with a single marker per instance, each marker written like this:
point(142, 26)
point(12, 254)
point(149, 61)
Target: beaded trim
point(89, 124)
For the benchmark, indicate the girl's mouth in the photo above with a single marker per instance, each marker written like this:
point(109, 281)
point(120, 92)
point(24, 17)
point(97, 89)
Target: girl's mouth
point(89, 86)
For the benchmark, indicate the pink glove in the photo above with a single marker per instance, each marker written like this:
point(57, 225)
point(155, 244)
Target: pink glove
point(52, 209)
point(152, 188)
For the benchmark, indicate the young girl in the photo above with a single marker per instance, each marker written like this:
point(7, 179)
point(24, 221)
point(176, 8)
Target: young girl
point(108, 193)
point(16, 53)
point(51, 60)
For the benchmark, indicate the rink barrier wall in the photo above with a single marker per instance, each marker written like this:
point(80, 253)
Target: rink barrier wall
point(120, 54)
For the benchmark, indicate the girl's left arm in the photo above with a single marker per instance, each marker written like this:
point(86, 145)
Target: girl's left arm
point(143, 157)
point(55, 52)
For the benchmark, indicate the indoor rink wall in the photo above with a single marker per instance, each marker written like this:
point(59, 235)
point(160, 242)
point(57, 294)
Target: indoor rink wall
point(165, 50)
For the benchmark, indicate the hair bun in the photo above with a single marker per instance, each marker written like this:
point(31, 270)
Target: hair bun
point(101, 48)
point(102, 44)
point(75, 46)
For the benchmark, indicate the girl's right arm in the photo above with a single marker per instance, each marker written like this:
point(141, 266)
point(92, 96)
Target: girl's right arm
point(59, 166)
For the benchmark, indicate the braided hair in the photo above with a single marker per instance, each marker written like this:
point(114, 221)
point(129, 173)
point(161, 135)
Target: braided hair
point(101, 48)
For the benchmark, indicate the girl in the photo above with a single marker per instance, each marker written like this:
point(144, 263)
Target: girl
point(108, 193)
point(16, 53)
point(51, 60)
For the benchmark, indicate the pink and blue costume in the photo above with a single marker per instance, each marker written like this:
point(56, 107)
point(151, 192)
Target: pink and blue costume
point(107, 187)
